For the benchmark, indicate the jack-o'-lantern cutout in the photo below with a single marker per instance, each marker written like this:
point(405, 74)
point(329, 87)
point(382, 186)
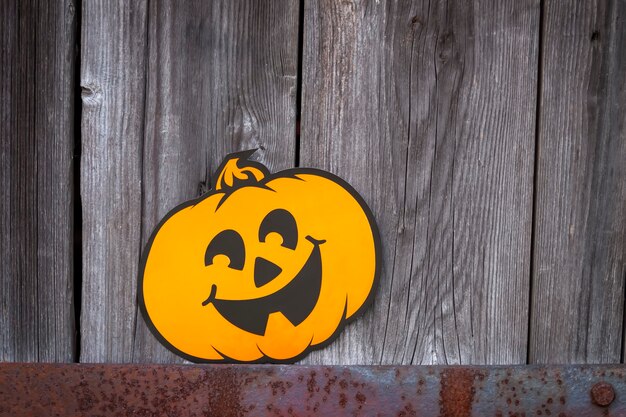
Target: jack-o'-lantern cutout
point(264, 267)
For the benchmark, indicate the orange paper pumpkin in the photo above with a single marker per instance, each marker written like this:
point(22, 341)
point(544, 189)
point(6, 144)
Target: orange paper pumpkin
point(264, 267)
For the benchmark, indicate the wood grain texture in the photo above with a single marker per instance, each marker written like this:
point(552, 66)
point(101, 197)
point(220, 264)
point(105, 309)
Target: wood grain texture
point(113, 93)
point(428, 110)
point(36, 209)
point(170, 89)
point(580, 227)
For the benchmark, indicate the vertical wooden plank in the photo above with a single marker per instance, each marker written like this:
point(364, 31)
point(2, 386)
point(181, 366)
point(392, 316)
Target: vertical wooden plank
point(580, 227)
point(428, 109)
point(36, 209)
point(113, 82)
point(222, 78)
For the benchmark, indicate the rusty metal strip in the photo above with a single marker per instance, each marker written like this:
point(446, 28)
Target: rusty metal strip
point(236, 390)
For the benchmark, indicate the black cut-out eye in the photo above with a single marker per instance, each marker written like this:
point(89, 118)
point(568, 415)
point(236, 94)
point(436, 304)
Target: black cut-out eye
point(228, 243)
point(282, 222)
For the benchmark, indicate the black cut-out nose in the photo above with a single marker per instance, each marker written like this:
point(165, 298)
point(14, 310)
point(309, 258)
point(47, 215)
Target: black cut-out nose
point(265, 271)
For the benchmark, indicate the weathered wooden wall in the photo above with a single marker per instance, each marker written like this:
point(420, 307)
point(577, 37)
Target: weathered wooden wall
point(488, 137)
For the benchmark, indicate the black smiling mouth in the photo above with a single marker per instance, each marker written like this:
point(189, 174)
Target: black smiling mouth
point(295, 301)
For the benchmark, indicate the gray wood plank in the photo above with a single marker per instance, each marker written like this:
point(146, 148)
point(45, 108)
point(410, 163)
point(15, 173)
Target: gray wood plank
point(36, 209)
point(428, 109)
point(580, 228)
point(222, 78)
point(113, 44)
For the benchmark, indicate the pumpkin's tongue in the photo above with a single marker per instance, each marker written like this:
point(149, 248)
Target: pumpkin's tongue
point(237, 171)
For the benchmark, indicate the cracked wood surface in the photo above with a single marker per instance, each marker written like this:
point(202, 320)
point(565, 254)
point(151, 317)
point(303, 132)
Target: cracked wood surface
point(428, 109)
point(580, 232)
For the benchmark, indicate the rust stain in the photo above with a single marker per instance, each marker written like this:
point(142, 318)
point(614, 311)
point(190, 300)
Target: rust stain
point(361, 399)
point(123, 391)
point(343, 400)
point(602, 394)
point(311, 384)
point(222, 390)
point(226, 393)
point(457, 392)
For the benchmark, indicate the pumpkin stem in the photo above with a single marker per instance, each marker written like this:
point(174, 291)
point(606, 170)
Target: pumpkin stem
point(237, 171)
